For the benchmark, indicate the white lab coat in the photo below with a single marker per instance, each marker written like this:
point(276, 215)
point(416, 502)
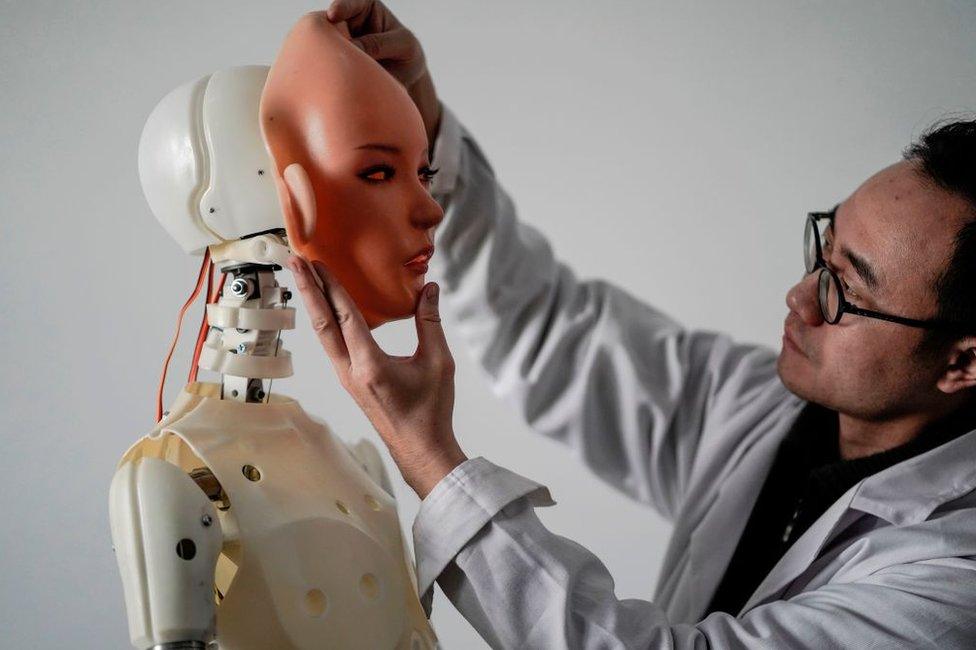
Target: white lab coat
point(685, 421)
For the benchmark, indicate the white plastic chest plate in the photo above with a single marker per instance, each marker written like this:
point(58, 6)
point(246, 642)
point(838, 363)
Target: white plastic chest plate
point(323, 562)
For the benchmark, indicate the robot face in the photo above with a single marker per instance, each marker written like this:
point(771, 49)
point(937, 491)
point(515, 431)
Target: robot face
point(351, 164)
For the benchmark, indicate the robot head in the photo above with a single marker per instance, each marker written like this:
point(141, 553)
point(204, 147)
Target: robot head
point(203, 164)
point(351, 167)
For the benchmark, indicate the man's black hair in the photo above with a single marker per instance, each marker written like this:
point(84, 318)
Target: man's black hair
point(946, 155)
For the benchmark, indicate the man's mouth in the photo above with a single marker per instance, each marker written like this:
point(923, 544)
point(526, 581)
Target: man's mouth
point(789, 338)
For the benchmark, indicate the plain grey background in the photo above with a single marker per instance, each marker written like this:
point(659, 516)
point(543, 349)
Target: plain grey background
point(672, 148)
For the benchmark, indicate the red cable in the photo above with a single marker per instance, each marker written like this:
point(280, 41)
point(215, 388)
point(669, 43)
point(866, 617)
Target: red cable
point(201, 333)
point(179, 325)
point(212, 297)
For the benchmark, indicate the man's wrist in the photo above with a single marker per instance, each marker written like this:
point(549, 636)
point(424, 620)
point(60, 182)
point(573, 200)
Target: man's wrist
point(435, 467)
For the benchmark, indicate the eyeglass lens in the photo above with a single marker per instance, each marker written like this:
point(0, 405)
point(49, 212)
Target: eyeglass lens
point(810, 241)
point(829, 294)
point(828, 290)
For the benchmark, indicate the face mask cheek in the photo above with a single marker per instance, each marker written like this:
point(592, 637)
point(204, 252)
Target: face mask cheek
point(360, 236)
point(376, 274)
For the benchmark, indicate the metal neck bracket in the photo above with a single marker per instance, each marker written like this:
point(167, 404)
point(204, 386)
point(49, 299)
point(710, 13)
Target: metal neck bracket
point(244, 340)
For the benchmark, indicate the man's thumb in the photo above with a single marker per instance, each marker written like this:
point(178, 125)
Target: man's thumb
point(430, 334)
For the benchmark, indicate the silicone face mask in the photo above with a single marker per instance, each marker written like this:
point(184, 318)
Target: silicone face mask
point(351, 167)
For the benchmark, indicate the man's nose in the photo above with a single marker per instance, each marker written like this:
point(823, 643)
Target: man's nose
point(802, 300)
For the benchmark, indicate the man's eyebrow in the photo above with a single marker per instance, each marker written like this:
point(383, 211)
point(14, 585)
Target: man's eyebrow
point(862, 267)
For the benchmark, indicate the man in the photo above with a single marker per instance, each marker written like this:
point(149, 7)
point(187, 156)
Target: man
point(821, 497)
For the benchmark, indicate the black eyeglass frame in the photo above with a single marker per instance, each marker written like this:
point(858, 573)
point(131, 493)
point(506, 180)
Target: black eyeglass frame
point(827, 275)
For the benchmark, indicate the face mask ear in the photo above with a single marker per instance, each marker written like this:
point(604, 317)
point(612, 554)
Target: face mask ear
point(299, 207)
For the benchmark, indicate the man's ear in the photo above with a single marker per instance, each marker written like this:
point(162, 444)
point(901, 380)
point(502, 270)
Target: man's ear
point(961, 372)
point(299, 209)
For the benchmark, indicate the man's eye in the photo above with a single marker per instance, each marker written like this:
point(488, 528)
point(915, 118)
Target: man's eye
point(377, 174)
point(847, 289)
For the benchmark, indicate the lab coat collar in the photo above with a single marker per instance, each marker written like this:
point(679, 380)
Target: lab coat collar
point(908, 492)
point(903, 494)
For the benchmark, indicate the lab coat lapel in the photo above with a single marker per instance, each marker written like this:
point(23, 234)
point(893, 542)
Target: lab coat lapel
point(714, 541)
point(902, 494)
point(805, 550)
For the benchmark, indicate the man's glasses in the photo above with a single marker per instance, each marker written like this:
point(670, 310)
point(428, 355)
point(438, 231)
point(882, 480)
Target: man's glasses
point(830, 292)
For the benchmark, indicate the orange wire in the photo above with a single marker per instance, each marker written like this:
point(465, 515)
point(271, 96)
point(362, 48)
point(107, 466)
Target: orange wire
point(179, 325)
point(201, 332)
point(212, 297)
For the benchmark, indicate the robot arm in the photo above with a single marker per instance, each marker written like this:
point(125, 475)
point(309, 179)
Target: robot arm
point(167, 539)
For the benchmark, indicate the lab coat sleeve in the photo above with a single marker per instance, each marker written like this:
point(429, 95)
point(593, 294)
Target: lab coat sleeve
point(583, 362)
point(522, 586)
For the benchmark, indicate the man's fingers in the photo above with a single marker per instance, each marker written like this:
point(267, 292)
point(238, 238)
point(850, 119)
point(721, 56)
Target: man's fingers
point(395, 45)
point(359, 341)
point(347, 10)
point(321, 314)
point(362, 16)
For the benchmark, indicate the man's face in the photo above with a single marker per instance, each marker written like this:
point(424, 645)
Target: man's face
point(889, 242)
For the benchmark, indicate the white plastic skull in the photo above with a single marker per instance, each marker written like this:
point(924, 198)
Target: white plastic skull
point(203, 165)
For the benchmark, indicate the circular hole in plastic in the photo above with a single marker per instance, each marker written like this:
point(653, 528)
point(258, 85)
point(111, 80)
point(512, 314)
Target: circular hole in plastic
point(342, 507)
point(251, 473)
point(186, 549)
point(372, 503)
point(315, 602)
point(369, 586)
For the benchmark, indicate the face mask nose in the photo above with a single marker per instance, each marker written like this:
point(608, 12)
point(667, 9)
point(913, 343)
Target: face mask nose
point(802, 300)
point(428, 213)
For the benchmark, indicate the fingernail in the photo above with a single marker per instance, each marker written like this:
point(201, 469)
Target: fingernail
point(432, 293)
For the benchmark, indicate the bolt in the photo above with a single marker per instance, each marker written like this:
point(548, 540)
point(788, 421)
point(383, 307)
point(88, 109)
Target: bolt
point(241, 288)
point(251, 472)
point(206, 521)
point(241, 348)
point(286, 295)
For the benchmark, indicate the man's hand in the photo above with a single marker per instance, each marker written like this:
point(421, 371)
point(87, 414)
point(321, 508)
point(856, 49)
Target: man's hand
point(409, 400)
point(377, 32)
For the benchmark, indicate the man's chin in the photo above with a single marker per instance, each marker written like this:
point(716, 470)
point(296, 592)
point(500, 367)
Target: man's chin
point(789, 374)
